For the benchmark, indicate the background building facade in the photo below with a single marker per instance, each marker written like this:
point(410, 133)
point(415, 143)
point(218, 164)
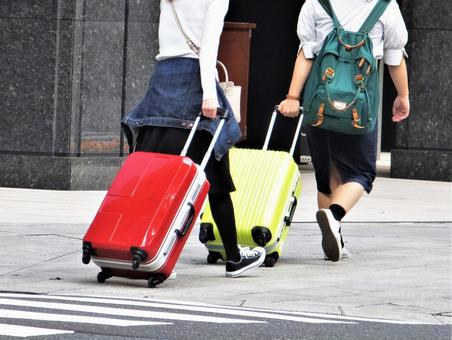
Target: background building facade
point(70, 69)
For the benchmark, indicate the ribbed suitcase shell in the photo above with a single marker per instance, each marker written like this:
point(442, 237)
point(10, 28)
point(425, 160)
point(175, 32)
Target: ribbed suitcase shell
point(152, 198)
point(268, 187)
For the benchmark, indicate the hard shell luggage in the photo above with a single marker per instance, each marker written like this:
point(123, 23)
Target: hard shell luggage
point(147, 215)
point(268, 187)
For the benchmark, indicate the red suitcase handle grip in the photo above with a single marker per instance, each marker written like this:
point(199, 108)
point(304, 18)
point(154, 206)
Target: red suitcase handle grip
point(191, 215)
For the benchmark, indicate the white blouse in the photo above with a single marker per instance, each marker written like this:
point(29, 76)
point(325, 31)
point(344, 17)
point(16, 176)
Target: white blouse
point(389, 36)
point(202, 21)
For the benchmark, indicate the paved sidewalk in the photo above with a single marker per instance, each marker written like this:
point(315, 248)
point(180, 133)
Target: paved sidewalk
point(399, 236)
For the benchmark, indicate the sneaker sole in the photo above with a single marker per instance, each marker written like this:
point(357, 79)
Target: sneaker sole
point(247, 268)
point(329, 242)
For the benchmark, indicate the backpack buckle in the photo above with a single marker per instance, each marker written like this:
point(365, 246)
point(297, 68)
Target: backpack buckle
point(359, 79)
point(329, 73)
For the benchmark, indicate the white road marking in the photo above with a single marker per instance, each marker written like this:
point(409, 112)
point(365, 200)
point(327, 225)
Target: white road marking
point(17, 314)
point(23, 331)
point(123, 311)
point(172, 303)
point(206, 309)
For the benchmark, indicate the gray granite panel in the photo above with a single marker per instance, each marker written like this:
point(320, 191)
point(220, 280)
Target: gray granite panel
point(142, 47)
point(422, 164)
point(100, 10)
point(141, 51)
point(93, 173)
point(430, 124)
point(144, 11)
point(27, 84)
point(37, 9)
point(435, 14)
point(101, 88)
point(36, 172)
point(58, 173)
point(62, 91)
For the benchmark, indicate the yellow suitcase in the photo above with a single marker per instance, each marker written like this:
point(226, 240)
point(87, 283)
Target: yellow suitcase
point(268, 187)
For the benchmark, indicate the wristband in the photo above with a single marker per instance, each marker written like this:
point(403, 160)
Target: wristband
point(288, 96)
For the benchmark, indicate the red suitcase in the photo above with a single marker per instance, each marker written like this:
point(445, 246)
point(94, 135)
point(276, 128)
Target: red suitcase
point(147, 215)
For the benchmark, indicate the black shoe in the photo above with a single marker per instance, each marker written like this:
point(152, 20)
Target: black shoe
point(251, 258)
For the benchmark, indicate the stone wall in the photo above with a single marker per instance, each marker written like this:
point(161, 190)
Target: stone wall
point(70, 70)
point(423, 143)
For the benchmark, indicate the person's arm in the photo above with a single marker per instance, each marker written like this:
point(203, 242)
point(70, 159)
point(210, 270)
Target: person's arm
point(290, 107)
point(395, 38)
point(401, 106)
point(213, 26)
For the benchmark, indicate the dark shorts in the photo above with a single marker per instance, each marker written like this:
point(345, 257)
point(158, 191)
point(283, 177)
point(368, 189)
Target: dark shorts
point(172, 140)
point(354, 157)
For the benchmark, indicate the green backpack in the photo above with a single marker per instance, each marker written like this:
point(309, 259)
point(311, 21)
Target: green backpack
point(342, 91)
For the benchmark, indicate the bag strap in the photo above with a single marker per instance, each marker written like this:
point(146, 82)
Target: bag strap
point(373, 17)
point(225, 71)
point(368, 24)
point(195, 48)
point(329, 9)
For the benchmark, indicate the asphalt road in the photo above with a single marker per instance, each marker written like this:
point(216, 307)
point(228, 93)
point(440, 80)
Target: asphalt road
point(92, 317)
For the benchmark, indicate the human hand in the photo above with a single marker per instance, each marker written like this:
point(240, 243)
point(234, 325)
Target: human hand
point(289, 107)
point(400, 108)
point(209, 108)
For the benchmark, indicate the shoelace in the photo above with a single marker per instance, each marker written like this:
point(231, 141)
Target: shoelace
point(248, 253)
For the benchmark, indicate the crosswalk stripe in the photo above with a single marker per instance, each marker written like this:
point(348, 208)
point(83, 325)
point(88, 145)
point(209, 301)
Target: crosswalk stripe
point(16, 314)
point(216, 309)
point(123, 311)
point(173, 303)
point(25, 331)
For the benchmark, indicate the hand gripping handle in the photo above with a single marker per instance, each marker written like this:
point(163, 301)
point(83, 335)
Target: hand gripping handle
point(223, 114)
point(270, 130)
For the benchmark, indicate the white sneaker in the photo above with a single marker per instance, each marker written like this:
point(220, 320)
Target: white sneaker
point(345, 254)
point(331, 237)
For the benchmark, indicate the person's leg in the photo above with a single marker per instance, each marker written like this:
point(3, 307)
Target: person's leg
point(238, 261)
point(353, 172)
point(223, 214)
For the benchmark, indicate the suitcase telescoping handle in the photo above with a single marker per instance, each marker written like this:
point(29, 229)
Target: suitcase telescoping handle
point(272, 124)
point(223, 115)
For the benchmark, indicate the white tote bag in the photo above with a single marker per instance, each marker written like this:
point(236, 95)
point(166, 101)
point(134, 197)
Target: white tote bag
point(232, 92)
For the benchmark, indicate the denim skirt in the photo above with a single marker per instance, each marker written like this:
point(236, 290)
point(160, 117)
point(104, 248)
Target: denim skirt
point(173, 99)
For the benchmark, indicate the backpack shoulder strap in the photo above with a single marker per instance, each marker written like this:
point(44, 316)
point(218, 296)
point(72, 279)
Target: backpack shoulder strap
point(327, 7)
point(373, 17)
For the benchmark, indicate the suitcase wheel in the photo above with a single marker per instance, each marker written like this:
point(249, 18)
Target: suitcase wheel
point(103, 275)
point(138, 255)
point(206, 233)
point(270, 260)
point(261, 235)
point(154, 281)
point(87, 251)
point(213, 257)
point(86, 258)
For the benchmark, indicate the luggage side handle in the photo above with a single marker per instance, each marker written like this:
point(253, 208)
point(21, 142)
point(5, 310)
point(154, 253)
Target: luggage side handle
point(188, 221)
point(270, 130)
point(223, 115)
point(289, 218)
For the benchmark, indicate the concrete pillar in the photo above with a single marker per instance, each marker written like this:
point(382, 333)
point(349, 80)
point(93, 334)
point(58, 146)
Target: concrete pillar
point(70, 70)
point(423, 143)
